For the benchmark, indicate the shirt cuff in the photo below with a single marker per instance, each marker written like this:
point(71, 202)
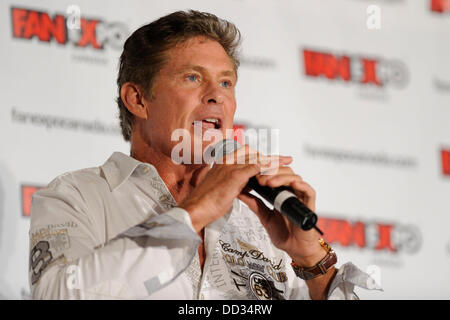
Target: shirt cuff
point(173, 224)
point(349, 276)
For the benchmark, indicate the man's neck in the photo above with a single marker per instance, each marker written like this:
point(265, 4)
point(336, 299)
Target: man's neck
point(179, 178)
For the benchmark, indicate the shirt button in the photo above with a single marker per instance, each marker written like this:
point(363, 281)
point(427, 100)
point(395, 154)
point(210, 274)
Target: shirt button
point(145, 170)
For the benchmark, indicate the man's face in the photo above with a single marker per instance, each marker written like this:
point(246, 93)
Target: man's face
point(196, 83)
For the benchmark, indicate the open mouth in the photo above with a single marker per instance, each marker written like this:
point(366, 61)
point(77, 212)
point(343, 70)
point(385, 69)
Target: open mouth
point(209, 123)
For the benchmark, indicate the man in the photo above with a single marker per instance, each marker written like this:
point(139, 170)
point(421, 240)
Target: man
point(146, 227)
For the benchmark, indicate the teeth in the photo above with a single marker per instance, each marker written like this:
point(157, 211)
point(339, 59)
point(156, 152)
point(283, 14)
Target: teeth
point(216, 121)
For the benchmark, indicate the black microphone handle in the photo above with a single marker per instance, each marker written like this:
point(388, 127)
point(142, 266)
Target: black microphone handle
point(292, 207)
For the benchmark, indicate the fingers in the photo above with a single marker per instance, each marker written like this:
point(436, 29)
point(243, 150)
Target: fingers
point(216, 187)
point(264, 177)
point(242, 155)
point(271, 165)
point(199, 175)
point(248, 171)
point(286, 177)
point(273, 170)
point(248, 155)
point(305, 193)
point(280, 180)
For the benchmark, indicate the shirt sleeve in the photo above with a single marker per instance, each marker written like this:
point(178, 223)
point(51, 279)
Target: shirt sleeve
point(68, 262)
point(348, 277)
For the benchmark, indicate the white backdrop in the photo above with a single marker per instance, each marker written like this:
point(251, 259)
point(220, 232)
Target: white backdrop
point(360, 94)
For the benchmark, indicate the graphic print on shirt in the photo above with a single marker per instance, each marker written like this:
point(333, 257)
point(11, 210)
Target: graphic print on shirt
point(165, 198)
point(254, 275)
point(48, 244)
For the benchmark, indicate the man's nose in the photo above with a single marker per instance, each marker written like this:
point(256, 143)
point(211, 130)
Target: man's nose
point(213, 95)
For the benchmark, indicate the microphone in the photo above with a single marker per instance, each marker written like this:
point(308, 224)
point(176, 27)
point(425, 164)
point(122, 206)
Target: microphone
point(282, 198)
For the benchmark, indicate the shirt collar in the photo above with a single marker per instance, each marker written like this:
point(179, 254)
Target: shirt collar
point(119, 168)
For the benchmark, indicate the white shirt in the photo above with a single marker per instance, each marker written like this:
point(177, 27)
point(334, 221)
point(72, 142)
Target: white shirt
point(114, 232)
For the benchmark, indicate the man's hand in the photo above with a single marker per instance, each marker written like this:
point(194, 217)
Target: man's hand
point(217, 187)
point(301, 245)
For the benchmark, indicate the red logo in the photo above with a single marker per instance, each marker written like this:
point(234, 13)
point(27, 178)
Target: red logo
point(239, 133)
point(27, 194)
point(440, 6)
point(94, 33)
point(362, 70)
point(375, 236)
point(445, 155)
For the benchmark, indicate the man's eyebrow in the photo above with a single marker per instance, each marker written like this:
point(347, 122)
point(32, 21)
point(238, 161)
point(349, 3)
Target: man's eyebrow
point(229, 73)
point(201, 69)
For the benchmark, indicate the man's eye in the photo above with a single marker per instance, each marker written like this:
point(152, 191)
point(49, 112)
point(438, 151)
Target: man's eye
point(226, 84)
point(192, 77)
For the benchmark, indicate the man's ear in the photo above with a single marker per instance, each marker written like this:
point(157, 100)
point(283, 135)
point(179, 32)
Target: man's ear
point(134, 99)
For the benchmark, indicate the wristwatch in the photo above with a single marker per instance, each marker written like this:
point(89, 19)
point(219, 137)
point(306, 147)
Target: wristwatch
point(320, 268)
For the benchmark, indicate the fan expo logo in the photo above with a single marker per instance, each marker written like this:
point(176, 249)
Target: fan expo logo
point(26, 194)
point(363, 70)
point(71, 28)
point(376, 236)
point(440, 6)
point(445, 157)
